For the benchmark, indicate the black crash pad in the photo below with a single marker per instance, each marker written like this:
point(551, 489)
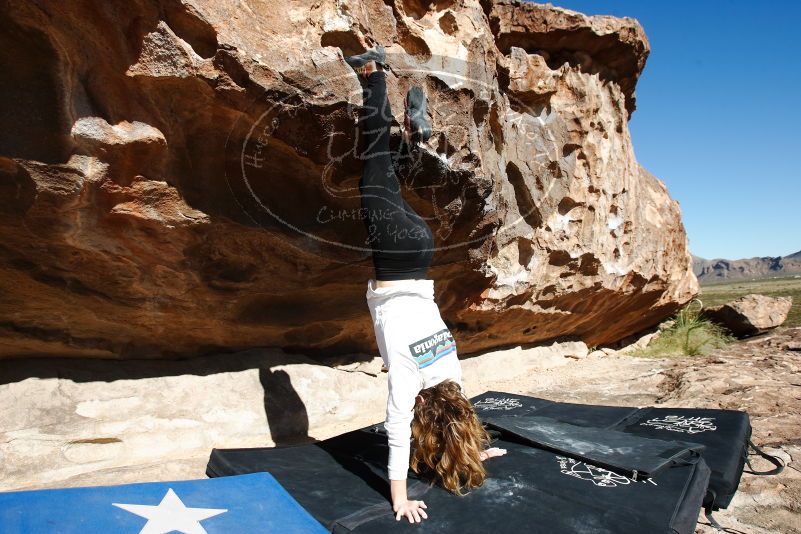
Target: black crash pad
point(723, 433)
point(610, 449)
point(342, 482)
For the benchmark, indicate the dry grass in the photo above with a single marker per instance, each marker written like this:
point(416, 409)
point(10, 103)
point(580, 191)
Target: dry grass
point(688, 335)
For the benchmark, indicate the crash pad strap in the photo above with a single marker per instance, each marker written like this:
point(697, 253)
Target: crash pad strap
point(712, 521)
point(625, 453)
point(775, 460)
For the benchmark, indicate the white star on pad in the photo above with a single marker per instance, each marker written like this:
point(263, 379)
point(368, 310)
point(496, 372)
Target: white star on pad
point(171, 515)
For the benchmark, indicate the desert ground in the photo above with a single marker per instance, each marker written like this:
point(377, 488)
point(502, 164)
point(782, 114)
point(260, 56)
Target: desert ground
point(760, 376)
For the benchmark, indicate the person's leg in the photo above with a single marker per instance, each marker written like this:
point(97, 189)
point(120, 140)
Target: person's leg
point(401, 240)
point(378, 179)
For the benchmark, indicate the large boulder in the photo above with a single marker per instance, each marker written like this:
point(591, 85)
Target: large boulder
point(750, 314)
point(178, 177)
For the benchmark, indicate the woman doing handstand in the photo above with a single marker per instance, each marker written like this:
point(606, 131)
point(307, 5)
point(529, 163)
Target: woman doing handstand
point(426, 403)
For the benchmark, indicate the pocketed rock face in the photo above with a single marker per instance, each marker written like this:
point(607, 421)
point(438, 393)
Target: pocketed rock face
point(613, 48)
point(178, 177)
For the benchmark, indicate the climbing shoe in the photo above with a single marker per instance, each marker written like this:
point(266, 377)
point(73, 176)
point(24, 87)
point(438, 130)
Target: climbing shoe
point(419, 125)
point(376, 54)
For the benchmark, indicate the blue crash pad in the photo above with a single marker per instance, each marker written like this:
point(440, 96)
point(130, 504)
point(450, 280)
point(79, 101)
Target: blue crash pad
point(243, 503)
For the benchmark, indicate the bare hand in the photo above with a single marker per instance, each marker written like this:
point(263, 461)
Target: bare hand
point(492, 451)
point(412, 510)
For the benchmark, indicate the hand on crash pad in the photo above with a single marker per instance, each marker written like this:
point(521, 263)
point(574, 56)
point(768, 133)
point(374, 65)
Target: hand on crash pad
point(413, 510)
point(492, 451)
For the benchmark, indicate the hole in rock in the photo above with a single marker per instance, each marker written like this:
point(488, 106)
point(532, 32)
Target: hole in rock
point(190, 26)
point(480, 110)
point(559, 258)
point(347, 41)
point(31, 95)
point(413, 45)
point(567, 204)
point(525, 250)
point(496, 128)
point(589, 264)
point(447, 23)
point(418, 9)
point(525, 203)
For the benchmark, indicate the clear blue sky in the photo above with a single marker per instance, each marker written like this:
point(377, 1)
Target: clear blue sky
point(718, 117)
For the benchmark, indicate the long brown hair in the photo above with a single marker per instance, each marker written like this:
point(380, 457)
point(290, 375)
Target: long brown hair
point(447, 438)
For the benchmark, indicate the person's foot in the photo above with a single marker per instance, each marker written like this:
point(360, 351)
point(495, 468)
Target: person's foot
point(370, 59)
point(416, 123)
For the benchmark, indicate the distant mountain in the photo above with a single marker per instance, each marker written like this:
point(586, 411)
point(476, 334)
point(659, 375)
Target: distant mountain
point(722, 269)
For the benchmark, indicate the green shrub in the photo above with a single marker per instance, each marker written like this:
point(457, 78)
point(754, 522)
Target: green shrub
point(689, 335)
